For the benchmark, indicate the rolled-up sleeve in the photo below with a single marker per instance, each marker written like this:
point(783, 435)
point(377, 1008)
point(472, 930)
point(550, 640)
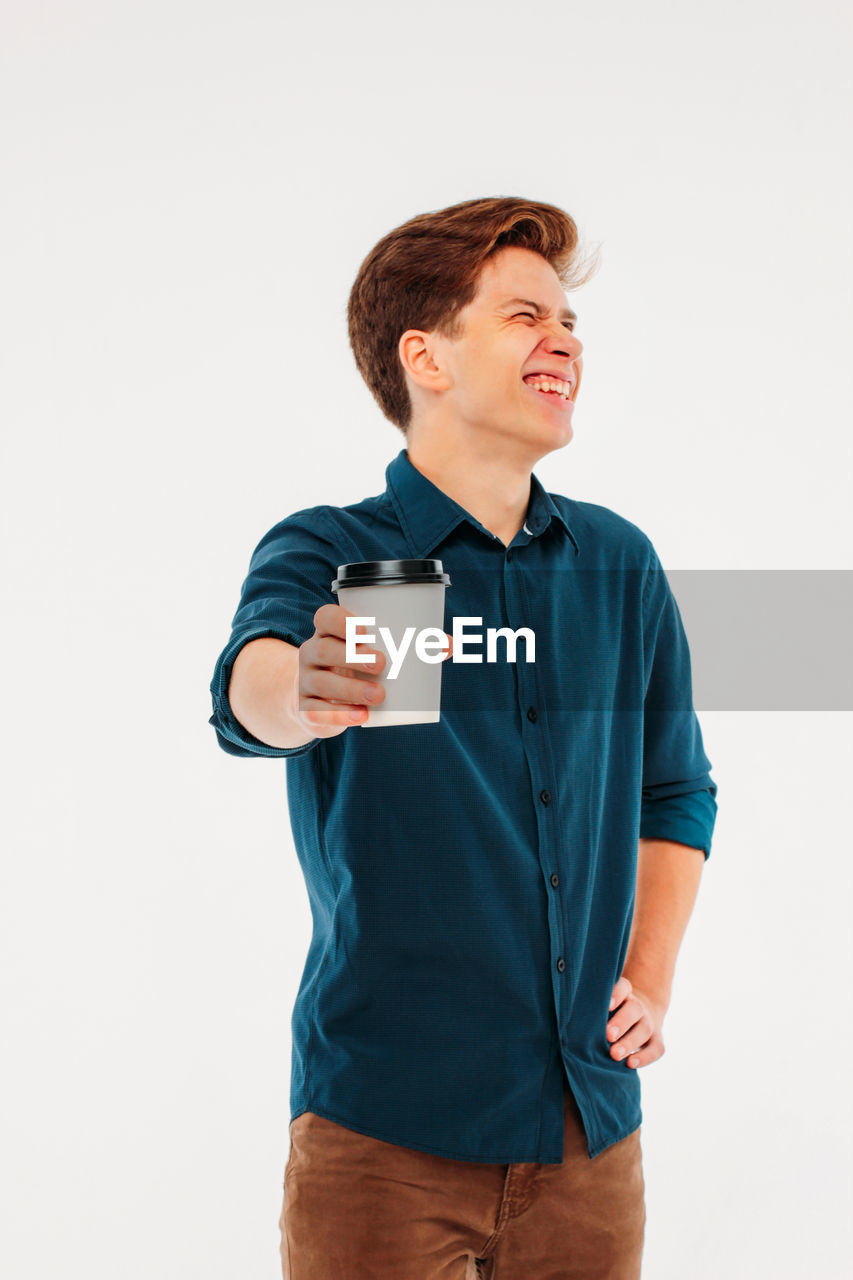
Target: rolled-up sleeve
point(290, 576)
point(678, 793)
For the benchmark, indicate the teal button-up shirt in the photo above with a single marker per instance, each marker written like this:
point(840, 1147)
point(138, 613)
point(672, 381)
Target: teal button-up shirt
point(472, 882)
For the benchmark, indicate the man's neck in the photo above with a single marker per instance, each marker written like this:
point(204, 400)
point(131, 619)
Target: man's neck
point(492, 490)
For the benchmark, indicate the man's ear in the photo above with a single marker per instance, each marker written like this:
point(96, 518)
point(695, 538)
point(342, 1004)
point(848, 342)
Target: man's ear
point(417, 352)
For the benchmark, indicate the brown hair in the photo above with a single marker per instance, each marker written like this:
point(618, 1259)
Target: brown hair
point(423, 273)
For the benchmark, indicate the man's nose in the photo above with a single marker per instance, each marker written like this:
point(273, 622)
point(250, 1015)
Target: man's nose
point(566, 344)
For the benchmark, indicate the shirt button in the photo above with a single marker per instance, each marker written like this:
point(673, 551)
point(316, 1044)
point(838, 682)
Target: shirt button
point(555, 880)
point(532, 715)
point(545, 797)
point(561, 964)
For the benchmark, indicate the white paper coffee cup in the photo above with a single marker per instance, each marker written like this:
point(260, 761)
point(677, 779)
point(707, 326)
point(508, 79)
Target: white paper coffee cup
point(400, 595)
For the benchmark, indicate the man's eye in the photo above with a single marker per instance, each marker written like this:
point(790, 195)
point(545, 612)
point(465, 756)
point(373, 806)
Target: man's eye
point(570, 324)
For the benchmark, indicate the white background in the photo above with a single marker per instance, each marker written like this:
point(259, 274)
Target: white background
point(188, 192)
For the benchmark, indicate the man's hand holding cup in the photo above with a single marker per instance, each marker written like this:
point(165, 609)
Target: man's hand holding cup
point(328, 695)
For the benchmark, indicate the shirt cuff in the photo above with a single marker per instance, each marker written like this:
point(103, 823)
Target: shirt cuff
point(231, 735)
point(687, 819)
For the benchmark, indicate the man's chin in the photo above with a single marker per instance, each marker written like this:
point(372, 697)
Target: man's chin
point(554, 425)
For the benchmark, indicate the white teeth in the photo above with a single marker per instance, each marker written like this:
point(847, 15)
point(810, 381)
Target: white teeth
point(551, 384)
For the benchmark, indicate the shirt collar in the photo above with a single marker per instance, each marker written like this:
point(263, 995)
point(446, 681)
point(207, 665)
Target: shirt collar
point(427, 514)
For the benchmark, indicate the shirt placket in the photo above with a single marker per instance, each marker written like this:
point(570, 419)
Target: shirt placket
point(540, 764)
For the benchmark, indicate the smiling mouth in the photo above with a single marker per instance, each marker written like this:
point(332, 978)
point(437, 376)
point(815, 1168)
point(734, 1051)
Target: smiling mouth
point(559, 400)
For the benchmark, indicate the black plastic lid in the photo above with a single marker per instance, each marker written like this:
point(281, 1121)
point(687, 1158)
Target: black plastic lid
point(383, 573)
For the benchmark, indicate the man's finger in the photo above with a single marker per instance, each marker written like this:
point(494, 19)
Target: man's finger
point(621, 992)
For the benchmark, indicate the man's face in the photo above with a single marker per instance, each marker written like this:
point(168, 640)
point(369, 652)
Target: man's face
point(503, 342)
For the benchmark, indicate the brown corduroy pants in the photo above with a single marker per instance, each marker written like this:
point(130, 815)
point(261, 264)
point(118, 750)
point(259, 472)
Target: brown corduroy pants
point(358, 1208)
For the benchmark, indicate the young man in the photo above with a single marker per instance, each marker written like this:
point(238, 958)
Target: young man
point(499, 898)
